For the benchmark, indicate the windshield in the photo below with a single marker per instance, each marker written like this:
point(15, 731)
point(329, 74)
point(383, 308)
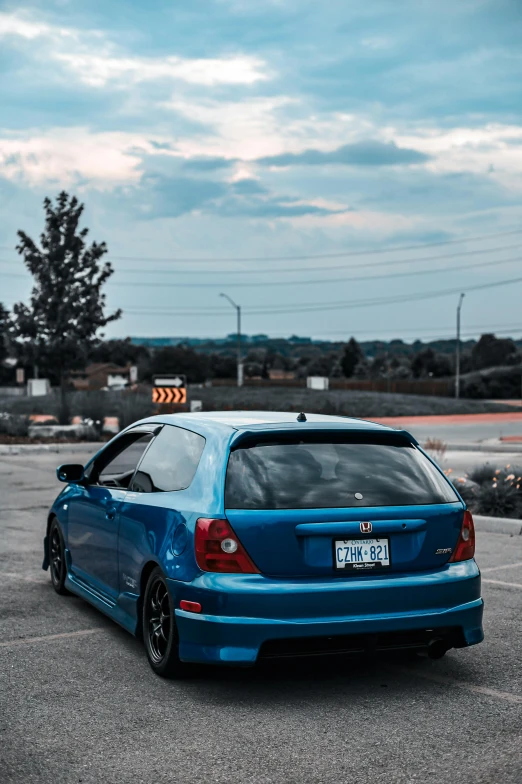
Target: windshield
point(327, 473)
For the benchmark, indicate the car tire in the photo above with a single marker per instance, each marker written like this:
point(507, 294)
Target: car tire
point(56, 556)
point(159, 631)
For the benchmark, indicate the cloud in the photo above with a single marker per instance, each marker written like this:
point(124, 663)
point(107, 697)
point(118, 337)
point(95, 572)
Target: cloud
point(97, 62)
point(364, 153)
point(248, 186)
point(22, 26)
point(67, 156)
point(165, 190)
point(493, 149)
point(160, 196)
point(243, 128)
point(98, 70)
point(269, 207)
point(208, 163)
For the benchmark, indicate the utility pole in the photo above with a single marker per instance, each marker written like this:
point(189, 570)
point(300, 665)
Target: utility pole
point(457, 349)
point(239, 360)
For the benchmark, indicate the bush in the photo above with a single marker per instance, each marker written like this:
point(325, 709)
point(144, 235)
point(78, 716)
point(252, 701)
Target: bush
point(474, 388)
point(499, 500)
point(468, 490)
point(493, 492)
point(501, 383)
point(13, 425)
point(483, 474)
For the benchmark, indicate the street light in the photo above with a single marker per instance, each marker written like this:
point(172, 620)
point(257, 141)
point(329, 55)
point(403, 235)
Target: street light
point(239, 362)
point(457, 349)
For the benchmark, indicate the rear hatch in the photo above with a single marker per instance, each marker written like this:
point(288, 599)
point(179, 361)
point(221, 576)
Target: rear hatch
point(340, 504)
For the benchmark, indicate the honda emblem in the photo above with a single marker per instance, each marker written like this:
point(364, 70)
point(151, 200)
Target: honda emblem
point(366, 528)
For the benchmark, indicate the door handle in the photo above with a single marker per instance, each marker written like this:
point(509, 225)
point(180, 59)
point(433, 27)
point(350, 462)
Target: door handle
point(110, 514)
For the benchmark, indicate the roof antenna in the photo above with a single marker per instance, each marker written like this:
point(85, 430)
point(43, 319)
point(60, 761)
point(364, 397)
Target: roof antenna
point(301, 417)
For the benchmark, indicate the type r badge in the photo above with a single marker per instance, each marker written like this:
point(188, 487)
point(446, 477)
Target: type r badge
point(366, 528)
point(129, 581)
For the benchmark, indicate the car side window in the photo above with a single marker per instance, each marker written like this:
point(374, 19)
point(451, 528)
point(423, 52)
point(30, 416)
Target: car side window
point(170, 463)
point(121, 464)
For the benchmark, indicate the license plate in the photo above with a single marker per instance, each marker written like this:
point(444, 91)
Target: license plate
point(361, 555)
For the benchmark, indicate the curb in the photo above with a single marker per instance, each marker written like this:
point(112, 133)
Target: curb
point(35, 449)
point(507, 448)
point(498, 525)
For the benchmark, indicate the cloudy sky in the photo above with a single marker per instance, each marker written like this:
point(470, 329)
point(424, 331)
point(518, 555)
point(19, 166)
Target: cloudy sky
point(338, 168)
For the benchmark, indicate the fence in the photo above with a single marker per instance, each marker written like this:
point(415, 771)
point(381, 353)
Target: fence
point(436, 387)
point(13, 391)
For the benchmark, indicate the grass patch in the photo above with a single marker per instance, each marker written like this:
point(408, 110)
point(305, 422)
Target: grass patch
point(342, 402)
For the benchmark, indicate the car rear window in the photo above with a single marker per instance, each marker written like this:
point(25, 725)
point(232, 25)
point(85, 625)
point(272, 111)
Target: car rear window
point(331, 472)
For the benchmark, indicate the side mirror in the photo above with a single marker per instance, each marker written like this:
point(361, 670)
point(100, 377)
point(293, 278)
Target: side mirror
point(73, 472)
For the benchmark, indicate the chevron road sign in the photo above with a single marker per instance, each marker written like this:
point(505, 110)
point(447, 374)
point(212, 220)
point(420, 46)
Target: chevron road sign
point(172, 389)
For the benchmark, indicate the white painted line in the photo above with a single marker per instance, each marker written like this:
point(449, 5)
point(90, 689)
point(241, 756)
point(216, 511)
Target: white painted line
point(504, 566)
point(50, 637)
point(445, 681)
point(13, 576)
point(499, 582)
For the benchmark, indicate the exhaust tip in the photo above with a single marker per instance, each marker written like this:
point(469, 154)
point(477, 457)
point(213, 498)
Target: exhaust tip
point(437, 648)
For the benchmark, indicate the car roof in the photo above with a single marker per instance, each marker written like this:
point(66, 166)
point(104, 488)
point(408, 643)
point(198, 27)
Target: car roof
point(227, 421)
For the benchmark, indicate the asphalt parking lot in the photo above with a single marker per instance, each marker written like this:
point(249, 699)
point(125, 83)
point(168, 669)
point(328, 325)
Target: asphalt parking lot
point(79, 703)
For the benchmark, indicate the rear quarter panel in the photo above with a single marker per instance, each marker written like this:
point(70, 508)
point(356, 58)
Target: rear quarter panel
point(160, 526)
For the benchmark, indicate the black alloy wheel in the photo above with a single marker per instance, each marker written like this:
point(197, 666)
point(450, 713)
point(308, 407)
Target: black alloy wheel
point(159, 621)
point(159, 628)
point(56, 548)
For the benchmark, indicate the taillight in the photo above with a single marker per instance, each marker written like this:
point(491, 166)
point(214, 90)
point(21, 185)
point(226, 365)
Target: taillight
point(219, 550)
point(190, 606)
point(465, 548)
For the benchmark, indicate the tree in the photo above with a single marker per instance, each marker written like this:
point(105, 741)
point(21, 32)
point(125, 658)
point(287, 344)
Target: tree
point(491, 351)
point(429, 362)
point(351, 357)
point(222, 366)
point(4, 325)
point(60, 326)
point(6, 374)
point(119, 352)
point(180, 359)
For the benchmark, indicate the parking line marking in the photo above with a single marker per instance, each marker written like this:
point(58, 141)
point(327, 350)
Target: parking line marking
point(504, 566)
point(500, 582)
point(446, 681)
point(50, 637)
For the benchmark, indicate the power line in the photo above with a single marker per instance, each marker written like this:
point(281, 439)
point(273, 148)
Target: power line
point(299, 281)
point(310, 307)
point(322, 268)
point(304, 257)
point(339, 305)
point(296, 282)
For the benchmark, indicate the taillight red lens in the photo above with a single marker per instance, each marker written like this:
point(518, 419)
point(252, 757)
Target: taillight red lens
point(465, 548)
point(190, 606)
point(219, 550)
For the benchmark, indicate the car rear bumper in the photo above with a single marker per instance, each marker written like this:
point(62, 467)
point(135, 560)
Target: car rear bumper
point(246, 617)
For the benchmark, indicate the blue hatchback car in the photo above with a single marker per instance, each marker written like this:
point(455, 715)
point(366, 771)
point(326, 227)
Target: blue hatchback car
point(231, 537)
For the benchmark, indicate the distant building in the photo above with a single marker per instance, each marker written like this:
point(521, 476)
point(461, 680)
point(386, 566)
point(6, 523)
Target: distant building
point(101, 375)
point(278, 374)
